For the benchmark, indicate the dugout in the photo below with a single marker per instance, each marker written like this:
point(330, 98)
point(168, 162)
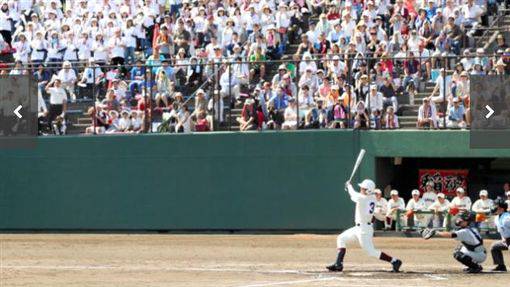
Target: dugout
point(408, 173)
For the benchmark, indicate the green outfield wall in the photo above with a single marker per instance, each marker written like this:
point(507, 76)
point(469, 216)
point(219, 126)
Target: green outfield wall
point(217, 181)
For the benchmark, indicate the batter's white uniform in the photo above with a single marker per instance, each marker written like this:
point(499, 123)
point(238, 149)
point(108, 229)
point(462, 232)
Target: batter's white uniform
point(381, 208)
point(418, 205)
point(484, 206)
point(363, 231)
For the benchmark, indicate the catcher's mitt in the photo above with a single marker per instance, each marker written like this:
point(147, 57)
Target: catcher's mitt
point(428, 233)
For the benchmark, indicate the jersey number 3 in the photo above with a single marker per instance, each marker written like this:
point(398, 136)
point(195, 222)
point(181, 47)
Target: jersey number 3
point(372, 207)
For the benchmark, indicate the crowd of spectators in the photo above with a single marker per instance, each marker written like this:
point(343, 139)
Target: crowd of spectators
point(430, 208)
point(355, 60)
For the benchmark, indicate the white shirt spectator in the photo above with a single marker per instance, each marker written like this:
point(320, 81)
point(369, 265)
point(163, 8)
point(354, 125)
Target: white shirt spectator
point(57, 95)
point(482, 206)
point(461, 203)
point(439, 207)
point(415, 205)
point(429, 198)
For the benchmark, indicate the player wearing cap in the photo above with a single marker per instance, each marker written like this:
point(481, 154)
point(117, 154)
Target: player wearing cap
point(460, 203)
point(413, 205)
point(482, 207)
point(363, 231)
point(439, 207)
point(381, 206)
point(471, 252)
point(502, 220)
point(429, 197)
point(394, 204)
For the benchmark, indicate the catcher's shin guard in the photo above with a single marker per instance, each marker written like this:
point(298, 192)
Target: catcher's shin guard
point(465, 259)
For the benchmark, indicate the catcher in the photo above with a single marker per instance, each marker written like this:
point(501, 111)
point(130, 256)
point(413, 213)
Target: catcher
point(471, 252)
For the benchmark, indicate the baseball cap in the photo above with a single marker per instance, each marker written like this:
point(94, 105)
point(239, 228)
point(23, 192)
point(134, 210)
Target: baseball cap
point(441, 195)
point(484, 192)
point(430, 183)
point(378, 191)
point(460, 190)
point(415, 192)
point(394, 192)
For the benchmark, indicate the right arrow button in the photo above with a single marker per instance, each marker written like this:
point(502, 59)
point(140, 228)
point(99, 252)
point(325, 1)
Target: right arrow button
point(491, 111)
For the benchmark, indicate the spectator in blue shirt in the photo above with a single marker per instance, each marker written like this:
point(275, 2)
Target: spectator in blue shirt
point(431, 10)
point(169, 71)
point(456, 115)
point(280, 100)
point(137, 77)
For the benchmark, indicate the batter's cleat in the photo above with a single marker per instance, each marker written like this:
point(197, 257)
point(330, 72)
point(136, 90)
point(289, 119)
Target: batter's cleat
point(477, 269)
point(499, 268)
point(335, 268)
point(396, 265)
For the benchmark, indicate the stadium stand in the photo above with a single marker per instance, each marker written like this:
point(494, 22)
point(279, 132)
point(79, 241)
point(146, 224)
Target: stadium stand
point(183, 66)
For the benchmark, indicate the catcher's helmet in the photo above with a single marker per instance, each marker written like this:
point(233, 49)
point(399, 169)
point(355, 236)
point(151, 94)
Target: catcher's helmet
point(465, 216)
point(499, 202)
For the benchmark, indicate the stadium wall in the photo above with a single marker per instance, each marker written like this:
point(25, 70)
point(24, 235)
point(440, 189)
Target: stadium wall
point(216, 181)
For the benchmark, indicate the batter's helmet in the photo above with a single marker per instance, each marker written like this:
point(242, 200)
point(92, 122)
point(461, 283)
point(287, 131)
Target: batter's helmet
point(367, 184)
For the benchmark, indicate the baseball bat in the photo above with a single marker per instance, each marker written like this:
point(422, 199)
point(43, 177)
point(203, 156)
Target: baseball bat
point(358, 162)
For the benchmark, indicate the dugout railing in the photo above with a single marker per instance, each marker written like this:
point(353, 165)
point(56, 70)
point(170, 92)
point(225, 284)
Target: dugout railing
point(445, 219)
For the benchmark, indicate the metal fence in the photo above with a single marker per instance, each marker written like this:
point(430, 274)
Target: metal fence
point(228, 93)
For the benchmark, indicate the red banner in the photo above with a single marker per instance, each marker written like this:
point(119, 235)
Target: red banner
point(445, 180)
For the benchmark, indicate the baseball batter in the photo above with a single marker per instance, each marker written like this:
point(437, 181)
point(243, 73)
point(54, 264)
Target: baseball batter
point(471, 252)
point(502, 220)
point(363, 231)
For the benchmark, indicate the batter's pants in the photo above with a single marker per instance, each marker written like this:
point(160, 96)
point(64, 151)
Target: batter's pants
point(364, 234)
point(497, 251)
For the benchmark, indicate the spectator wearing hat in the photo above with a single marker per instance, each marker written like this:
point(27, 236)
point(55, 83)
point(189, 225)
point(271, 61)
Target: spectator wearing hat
point(395, 204)
point(427, 115)
point(456, 115)
point(483, 207)
point(67, 75)
point(439, 208)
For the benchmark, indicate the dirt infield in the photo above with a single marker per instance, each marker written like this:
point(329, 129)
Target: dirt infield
point(225, 260)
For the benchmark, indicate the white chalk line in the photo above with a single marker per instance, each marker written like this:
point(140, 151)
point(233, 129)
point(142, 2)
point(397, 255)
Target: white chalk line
point(436, 277)
point(289, 282)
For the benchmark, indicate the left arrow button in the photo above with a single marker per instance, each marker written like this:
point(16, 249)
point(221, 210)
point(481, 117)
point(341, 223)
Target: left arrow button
point(16, 111)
